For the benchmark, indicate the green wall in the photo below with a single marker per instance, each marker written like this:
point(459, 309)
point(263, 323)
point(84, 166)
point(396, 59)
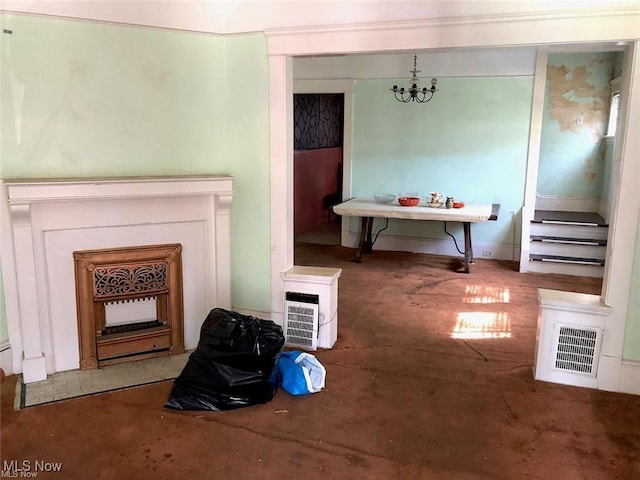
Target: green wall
point(82, 99)
point(572, 149)
point(632, 335)
point(247, 155)
point(470, 142)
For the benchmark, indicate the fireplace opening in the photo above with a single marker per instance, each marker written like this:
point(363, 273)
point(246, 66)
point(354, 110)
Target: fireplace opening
point(129, 303)
point(130, 327)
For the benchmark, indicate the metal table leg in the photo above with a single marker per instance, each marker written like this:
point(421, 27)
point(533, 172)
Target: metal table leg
point(368, 240)
point(468, 249)
point(365, 245)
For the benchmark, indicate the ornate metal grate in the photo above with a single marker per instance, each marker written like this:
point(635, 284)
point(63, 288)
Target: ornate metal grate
point(129, 280)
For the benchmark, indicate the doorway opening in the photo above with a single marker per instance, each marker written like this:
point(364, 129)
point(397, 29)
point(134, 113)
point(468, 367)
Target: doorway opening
point(318, 166)
point(576, 175)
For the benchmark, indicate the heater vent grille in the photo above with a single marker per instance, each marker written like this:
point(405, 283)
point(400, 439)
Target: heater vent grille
point(576, 350)
point(301, 324)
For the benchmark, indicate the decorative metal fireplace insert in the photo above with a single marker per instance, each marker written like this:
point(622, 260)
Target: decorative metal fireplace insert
point(129, 274)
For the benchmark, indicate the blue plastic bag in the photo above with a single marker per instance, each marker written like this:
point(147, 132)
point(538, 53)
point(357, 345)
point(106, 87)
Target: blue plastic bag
point(299, 373)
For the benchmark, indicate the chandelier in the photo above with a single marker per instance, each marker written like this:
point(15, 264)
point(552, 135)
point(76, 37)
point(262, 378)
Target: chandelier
point(413, 93)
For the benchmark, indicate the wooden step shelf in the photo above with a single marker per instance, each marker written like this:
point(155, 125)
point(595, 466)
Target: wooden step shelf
point(564, 259)
point(569, 218)
point(569, 240)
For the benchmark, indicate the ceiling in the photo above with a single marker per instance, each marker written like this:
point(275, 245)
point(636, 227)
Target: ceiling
point(241, 16)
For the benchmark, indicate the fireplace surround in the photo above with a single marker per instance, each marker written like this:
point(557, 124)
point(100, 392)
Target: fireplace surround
point(51, 219)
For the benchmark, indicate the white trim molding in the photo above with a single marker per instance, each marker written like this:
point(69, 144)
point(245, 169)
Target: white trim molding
point(323, 86)
point(630, 377)
point(624, 222)
point(533, 157)
point(593, 25)
point(281, 178)
point(27, 192)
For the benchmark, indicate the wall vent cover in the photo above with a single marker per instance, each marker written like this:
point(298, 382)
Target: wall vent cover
point(577, 349)
point(301, 320)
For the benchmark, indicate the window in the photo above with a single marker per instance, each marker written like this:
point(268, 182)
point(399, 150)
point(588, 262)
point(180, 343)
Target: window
point(613, 107)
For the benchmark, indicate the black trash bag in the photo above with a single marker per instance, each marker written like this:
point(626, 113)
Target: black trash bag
point(231, 366)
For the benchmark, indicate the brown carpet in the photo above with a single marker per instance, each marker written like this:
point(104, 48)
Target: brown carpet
point(404, 399)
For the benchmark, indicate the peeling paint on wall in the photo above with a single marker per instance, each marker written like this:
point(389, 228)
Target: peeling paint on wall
point(572, 153)
point(574, 102)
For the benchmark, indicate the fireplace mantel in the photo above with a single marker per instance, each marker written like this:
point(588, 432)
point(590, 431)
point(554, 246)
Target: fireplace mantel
point(30, 191)
point(50, 219)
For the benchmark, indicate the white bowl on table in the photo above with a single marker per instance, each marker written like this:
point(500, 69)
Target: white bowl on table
point(384, 198)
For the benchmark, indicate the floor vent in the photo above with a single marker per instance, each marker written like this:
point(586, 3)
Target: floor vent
point(301, 320)
point(577, 350)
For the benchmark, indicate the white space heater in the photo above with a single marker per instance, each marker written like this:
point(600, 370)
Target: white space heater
point(301, 320)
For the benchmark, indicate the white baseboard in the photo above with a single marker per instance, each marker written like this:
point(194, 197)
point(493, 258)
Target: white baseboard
point(630, 377)
point(524, 264)
point(567, 204)
point(6, 359)
point(444, 247)
point(253, 313)
point(609, 368)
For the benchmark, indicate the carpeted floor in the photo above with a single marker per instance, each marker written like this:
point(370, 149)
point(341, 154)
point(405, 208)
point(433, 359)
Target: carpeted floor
point(416, 389)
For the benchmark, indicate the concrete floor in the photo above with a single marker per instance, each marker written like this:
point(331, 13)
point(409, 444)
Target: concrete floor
point(410, 395)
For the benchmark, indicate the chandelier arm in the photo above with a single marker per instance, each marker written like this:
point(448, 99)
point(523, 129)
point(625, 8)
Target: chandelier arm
point(401, 98)
point(424, 98)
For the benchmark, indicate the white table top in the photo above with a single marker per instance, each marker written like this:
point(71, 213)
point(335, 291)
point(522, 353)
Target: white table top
point(367, 207)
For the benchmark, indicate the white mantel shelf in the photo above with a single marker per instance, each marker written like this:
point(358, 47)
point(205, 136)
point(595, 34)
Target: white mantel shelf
point(34, 190)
